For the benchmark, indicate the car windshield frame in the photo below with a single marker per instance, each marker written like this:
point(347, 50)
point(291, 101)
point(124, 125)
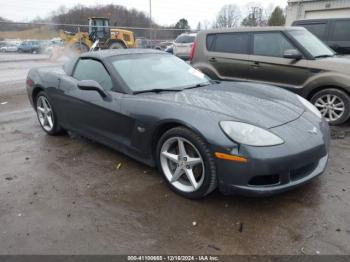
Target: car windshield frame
point(313, 45)
point(203, 80)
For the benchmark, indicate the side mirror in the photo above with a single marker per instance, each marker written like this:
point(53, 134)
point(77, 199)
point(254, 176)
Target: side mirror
point(92, 85)
point(292, 54)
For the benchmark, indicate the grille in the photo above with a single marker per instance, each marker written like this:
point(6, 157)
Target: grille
point(299, 173)
point(268, 180)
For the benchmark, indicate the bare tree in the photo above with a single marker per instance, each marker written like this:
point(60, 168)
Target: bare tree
point(228, 16)
point(255, 17)
point(206, 24)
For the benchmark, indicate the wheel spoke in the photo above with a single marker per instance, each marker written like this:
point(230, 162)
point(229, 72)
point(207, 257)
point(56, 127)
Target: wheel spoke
point(333, 115)
point(44, 104)
point(191, 161)
point(191, 178)
point(49, 121)
point(42, 110)
point(339, 104)
point(320, 101)
point(182, 150)
point(177, 174)
point(172, 157)
point(333, 98)
point(319, 105)
point(45, 122)
point(339, 109)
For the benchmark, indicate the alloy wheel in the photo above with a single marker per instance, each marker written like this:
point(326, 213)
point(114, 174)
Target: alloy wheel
point(331, 107)
point(182, 164)
point(45, 114)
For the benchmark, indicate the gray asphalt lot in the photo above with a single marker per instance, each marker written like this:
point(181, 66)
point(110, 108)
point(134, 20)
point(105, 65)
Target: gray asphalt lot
point(65, 195)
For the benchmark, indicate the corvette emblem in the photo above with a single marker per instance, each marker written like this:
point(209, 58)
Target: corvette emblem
point(313, 131)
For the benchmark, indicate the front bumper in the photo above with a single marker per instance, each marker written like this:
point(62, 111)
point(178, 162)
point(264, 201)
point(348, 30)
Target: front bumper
point(276, 169)
point(288, 181)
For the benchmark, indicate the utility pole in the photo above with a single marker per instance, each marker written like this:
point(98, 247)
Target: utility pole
point(150, 22)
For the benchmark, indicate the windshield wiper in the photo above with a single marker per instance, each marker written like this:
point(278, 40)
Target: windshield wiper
point(215, 81)
point(157, 90)
point(196, 86)
point(323, 56)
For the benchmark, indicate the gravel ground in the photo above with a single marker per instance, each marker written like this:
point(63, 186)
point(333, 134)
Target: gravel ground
point(64, 195)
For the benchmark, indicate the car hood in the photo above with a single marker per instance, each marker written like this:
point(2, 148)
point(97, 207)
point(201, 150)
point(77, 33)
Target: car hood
point(265, 106)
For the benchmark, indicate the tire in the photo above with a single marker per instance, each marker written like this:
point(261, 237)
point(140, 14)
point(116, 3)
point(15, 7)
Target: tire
point(334, 105)
point(50, 127)
point(34, 52)
point(197, 162)
point(77, 48)
point(117, 45)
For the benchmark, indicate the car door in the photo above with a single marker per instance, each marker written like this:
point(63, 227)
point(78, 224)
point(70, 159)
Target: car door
point(269, 66)
point(25, 46)
point(228, 54)
point(88, 112)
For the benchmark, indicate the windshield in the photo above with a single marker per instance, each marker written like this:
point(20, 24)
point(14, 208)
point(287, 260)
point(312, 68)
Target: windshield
point(157, 71)
point(185, 39)
point(311, 43)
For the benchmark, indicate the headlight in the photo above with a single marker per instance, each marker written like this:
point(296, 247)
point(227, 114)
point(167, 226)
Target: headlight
point(310, 106)
point(249, 135)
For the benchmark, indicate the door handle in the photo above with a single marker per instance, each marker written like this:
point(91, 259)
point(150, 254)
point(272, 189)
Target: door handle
point(212, 59)
point(256, 65)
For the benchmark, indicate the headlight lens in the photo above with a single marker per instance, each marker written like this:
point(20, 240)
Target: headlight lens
point(249, 135)
point(310, 106)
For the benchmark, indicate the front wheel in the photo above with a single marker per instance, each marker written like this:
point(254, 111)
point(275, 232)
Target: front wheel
point(185, 161)
point(79, 48)
point(334, 105)
point(46, 114)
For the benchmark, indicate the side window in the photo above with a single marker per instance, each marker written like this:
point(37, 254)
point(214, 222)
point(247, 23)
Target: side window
point(210, 42)
point(318, 30)
point(341, 31)
point(271, 44)
point(237, 43)
point(89, 69)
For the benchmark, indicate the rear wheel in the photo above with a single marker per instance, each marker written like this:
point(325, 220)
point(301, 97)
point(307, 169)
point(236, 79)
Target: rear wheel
point(185, 161)
point(46, 114)
point(334, 105)
point(79, 48)
point(117, 45)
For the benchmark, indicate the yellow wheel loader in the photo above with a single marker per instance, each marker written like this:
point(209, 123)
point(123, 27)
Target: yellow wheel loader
point(99, 36)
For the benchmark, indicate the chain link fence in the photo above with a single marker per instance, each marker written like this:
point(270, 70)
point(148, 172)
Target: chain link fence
point(12, 34)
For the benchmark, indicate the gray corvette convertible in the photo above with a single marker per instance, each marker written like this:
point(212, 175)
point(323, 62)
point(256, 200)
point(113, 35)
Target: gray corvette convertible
point(239, 137)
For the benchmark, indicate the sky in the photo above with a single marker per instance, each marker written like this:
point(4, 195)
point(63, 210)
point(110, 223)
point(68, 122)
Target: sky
point(164, 12)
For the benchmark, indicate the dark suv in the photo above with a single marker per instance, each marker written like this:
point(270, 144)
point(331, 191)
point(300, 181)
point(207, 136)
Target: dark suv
point(33, 47)
point(333, 32)
point(288, 57)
